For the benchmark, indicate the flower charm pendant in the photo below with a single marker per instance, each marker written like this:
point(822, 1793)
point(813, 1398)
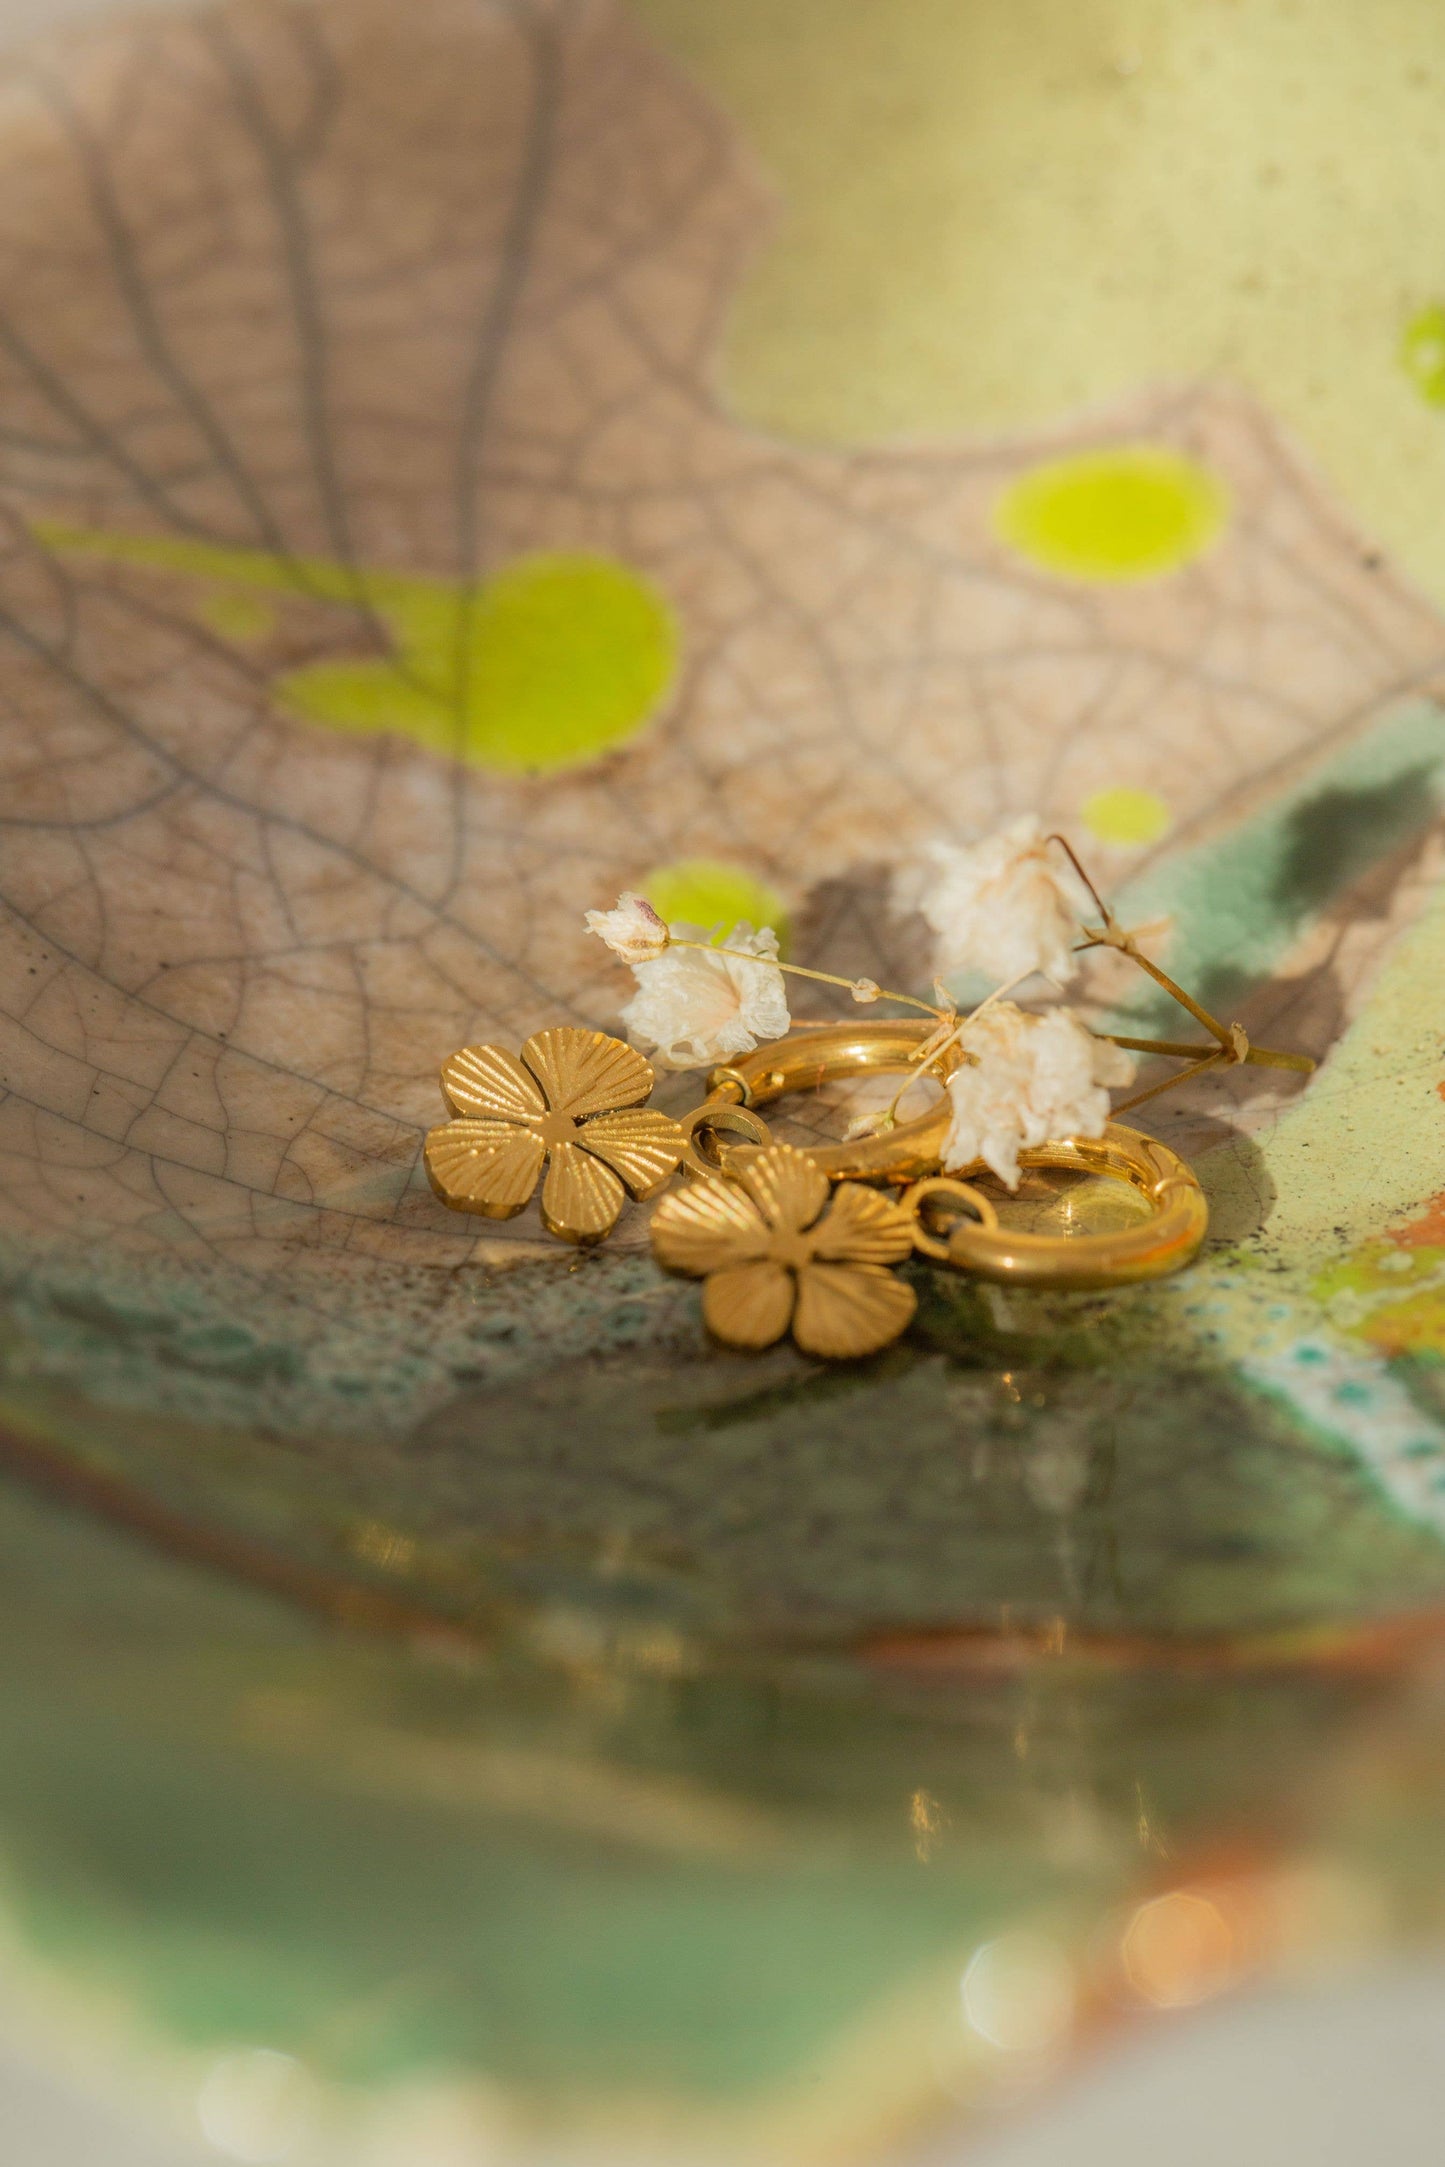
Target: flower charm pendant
point(773, 1251)
point(573, 1103)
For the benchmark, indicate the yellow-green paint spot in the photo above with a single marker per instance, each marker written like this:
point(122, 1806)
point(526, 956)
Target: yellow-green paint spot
point(1126, 817)
point(1422, 353)
point(236, 615)
point(708, 892)
point(550, 663)
point(1136, 512)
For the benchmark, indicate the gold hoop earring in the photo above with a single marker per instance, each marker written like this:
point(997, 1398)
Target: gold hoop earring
point(813, 1054)
point(909, 1156)
point(1163, 1242)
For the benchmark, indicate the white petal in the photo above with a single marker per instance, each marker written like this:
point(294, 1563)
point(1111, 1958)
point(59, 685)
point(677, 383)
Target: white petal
point(632, 931)
point(1113, 1065)
point(1005, 907)
point(1033, 1080)
point(697, 1005)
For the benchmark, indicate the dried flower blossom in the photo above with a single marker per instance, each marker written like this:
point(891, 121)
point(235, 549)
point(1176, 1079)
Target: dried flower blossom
point(633, 931)
point(1031, 1080)
point(700, 1005)
point(1004, 907)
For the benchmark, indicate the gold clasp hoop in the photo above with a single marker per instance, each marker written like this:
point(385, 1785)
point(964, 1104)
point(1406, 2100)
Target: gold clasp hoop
point(1162, 1243)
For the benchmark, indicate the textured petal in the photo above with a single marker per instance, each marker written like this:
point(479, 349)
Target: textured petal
point(586, 1072)
point(485, 1166)
point(643, 1147)
point(487, 1080)
point(707, 1227)
point(633, 931)
point(581, 1197)
point(788, 1189)
point(699, 1005)
point(749, 1306)
point(850, 1309)
point(1005, 906)
point(862, 1227)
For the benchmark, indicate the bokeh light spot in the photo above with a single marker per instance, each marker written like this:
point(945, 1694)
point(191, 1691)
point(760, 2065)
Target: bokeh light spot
point(1179, 1949)
point(1018, 1993)
point(256, 2105)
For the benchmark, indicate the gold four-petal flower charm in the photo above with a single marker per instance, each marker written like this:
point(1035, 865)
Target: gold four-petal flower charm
point(772, 1255)
point(573, 1102)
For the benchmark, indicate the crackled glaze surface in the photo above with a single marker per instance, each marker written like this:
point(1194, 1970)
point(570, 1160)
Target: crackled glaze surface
point(418, 524)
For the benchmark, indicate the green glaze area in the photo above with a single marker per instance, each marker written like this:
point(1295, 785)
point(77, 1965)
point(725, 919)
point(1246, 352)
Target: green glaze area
point(1362, 1148)
point(1133, 512)
point(707, 892)
point(996, 215)
point(698, 1892)
point(1008, 1454)
point(1422, 353)
point(211, 1348)
point(551, 663)
point(1024, 1470)
point(346, 1871)
point(1238, 899)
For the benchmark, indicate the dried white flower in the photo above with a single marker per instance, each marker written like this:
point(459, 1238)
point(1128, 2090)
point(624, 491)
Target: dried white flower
point(1003, 907)
point(633, 931)
point(697, 1005)
point(1034, 1080)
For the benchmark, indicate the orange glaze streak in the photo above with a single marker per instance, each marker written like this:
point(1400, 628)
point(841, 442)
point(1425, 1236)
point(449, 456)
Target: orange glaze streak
point(1424, 1233)
point(1374, 1648)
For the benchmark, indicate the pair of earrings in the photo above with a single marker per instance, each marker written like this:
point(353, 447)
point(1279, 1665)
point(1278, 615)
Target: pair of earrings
point(782, 1238)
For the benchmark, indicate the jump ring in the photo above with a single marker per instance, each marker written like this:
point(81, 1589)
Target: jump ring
point(725, 1118)
point(915, 1200)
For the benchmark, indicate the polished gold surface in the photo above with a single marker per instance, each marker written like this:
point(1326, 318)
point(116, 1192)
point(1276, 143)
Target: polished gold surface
point(817, 1053)
point(1163, 1241)
point(775, 1248)
point(938, 1192)
point(570, 1102)
point(716, 1119)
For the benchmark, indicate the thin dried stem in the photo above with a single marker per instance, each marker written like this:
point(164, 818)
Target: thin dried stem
point(933, 1049)
point(1262, 1056)
point(1234, 1046)
point(1126, 947)
point(1072, 855)
point(1213, 1059)
point(825, 978)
